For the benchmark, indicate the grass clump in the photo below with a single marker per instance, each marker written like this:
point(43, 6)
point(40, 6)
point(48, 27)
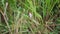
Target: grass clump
point(29, 16)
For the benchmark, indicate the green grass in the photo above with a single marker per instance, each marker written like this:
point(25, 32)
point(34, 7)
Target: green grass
point(15, 16)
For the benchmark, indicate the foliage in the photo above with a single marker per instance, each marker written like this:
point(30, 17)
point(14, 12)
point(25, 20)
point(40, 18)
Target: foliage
point(29, 16)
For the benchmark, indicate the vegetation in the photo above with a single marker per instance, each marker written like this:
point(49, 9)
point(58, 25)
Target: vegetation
point(29, 16)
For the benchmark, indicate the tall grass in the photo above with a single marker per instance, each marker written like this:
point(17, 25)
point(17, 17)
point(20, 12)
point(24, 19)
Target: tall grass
point(29, 16)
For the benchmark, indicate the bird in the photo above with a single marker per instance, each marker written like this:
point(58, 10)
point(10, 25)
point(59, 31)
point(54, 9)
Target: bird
point(30, 14)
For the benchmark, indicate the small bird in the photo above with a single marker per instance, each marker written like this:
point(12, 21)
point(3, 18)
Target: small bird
point(30, 15)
